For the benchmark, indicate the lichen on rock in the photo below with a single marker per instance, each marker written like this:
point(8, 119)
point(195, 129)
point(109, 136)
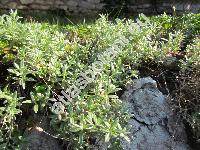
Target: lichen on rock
point(151, 124)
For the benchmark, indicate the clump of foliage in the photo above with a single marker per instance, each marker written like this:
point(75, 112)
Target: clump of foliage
point(188, 95)
point(187, 23)
point(47, 59)
point(9, 109)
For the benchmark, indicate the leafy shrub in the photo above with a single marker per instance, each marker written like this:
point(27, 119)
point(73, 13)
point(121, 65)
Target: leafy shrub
point(188, 94)
point(9, 109)
point(188, 103)
point(49, 58)
point(193, 51)
point(189, 24)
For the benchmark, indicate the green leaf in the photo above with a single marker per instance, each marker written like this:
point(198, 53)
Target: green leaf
point(113, 96)
point(119, 126)
point(71, 120)
point(80, 138)
point(35, 108)
point(16, 111)
point(27, 102)
point(107, 137)
point(107, 124)
point(16, 66)
point(125, 137)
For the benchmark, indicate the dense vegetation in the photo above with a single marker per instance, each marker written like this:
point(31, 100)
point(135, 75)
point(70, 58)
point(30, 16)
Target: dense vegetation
point(39, 60)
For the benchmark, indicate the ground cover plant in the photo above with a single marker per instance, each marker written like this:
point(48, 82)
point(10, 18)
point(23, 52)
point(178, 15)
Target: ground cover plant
point(39, 60)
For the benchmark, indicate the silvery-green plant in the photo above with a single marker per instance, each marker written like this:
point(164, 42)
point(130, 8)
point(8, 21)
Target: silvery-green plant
point(8, 113)
point(50, 58)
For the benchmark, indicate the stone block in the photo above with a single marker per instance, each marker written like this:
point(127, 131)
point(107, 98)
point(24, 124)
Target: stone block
point(142, 2)
point(58, 2)
point(94, 1)
point(72, 9)
point(179, 7)
point(143, 6)
point(72, 3)
point(195, 6)
point(4, 2)
point(166, 4)
point(25, 2)
point(22, 7)
point(40, 7)
point(87, 5)
point(45, 2)
point(99, 6)
point(12, 5)
point(146, 5)
point(64, 7)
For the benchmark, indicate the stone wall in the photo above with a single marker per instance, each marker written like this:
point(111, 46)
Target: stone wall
point(96, 6)
point(160, 6)
point(70, 6)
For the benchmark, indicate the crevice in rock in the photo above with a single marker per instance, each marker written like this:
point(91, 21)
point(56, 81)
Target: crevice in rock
point(143, 123)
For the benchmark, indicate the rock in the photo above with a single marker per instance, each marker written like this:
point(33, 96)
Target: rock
point(179, 6)
point(91, 7)
point(12, 5)
point(39, 140)
point(99, 6)
point(4, 2)
point(166, 5)
point(151, 138)
point(22, 7)
point(44, 2)
point(40, 7)
point(94, 1)
point(59, 3)
point(25, 2)
point(176, 127)
point(148, 105)
point(64, 7)
point(170, 62)
point(153, 125)
point(40, 136)
point(144, 6)
point(87, 5)
point(142, 82)
point(72, 3)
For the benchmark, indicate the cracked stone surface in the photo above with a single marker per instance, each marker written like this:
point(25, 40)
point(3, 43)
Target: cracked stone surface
point(153, 125)
point(148, 105)
point(38, 139)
